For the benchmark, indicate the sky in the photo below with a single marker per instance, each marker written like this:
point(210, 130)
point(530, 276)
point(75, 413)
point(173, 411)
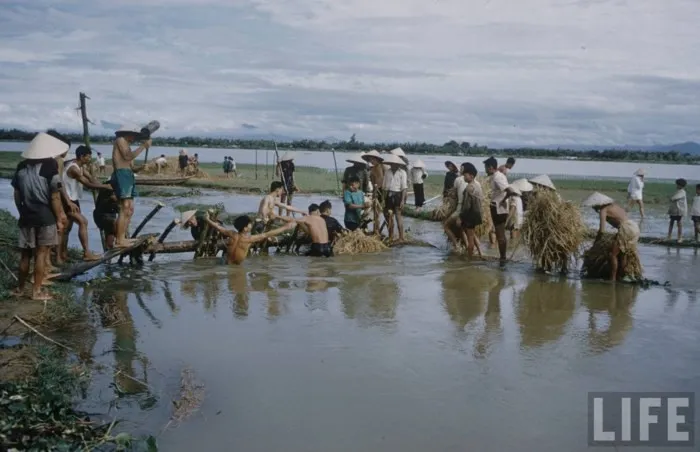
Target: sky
point(495, 72)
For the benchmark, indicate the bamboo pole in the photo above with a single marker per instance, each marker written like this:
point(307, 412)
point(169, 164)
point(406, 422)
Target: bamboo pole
point(163, 235)
point(337, 178)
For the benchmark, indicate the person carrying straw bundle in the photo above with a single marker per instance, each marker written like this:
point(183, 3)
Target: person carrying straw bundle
point(516, 210)
point(452, 225)
point(615, 256)
point(470, 216)
point(376, 178)
point(395, 191)
point(500, 191)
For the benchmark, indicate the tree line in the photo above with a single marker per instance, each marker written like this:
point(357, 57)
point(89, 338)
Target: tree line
point(352, 145)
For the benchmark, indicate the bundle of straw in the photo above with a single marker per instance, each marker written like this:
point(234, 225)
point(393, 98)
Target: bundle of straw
point(596, 260)
point(486, 225)
point(553, 231)
point(357, 242)
point(447, 208)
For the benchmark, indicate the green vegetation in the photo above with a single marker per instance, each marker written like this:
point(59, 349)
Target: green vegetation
point(450, 148)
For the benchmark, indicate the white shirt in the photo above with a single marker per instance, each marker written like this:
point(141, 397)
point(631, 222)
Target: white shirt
point(417, 175)
point(679, 204)
point(101, 161)
point(517, 203)
point(460, 185)
point(161, 161)
point(499, 183)
point(635, 187)
point(696, 206)
point(395, 181)
point(233, 163)
point(74, 189)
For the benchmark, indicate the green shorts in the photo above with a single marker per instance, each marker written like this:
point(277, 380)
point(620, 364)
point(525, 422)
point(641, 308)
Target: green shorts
point(124, 183)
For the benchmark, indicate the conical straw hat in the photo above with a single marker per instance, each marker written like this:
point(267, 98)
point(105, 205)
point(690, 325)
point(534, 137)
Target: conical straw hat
point(597, 200)
point(128, 129)
point(419, 164)
point(522, 185)
point(639, 172)
point(515, 190)
point(543, 180)
point(357, 158)
point(393, 159)
point(398, 152)
point(44, 146)
point(373, 153)
point(286, 157)
point(186, 216)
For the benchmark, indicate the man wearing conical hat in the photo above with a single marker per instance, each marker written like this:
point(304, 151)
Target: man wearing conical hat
point(634, 191)
point(37, 186)
point(123, 179)
point(358, 168)
point(418, 176)
point(395, 187)
point(627, 230)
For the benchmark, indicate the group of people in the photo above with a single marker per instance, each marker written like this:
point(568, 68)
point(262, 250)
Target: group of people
point(184, 160)
point(229, 167)
point(48, 186)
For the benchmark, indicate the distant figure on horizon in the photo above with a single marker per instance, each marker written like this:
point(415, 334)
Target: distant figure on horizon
point(161, 162)
point(634, 191)
point(183, 161)
point(101, 164)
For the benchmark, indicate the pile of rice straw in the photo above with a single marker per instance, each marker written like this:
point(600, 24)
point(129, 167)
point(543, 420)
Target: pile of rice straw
point(553, 231)
point(357, 242)
point(596, 261)
point(172, 169)
point(448, 206)
point(486, 225)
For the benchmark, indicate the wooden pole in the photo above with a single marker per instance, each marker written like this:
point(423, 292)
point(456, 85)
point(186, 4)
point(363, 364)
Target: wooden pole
point(337, 178)
point(256, 164)
point(267, 167)
point(163, 235)
point(155, 210)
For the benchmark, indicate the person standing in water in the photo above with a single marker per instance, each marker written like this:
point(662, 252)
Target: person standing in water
point(395, 191)
point(418, 176)
point(123, 180)
point(376, 178)
point(634, 191)
point(315, 226)
point(500, 190)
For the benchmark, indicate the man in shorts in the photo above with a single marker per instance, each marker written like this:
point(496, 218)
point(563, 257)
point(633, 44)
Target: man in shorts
point(123, 180)
point(105, 215)
point(37, 197)
point(395, 189)
point(500, 191)
point(315, 226)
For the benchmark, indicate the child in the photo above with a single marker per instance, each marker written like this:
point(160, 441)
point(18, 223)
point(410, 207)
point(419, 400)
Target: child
point(695, 212)
point(354, 201)
point(678, 208)
point(334, 227)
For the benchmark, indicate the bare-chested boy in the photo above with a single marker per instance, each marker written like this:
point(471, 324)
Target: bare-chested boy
point(239, 242)
point(123, 179)
point(315, 225)
point(627, 230)
point(266, 209)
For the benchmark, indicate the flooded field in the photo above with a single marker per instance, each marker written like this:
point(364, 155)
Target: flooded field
point(409, 350)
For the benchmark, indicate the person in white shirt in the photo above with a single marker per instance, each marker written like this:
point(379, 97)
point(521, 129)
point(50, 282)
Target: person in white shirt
point(695, 212)
point(101, 163)
point(500, 191)
point(395, 190)
point(634, 191)
point(678, 209)
point(452, 223)
point(161, 162)
point(418, 175)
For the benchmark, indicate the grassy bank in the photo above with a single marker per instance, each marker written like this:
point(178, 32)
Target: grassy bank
point(317, 180)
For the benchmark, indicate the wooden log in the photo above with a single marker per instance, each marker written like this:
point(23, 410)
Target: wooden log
point(185, 246)
point(82, 267)
point(164, 234)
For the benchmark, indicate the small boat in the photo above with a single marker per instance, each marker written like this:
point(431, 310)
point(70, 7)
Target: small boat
point(162, 180)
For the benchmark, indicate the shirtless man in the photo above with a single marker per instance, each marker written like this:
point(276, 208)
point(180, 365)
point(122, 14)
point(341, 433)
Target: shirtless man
point(239, 242)
point(627, 230)
point(123, 179)
point(266, 209)
point(315, 226)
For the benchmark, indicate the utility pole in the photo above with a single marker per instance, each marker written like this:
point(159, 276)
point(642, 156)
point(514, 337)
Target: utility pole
point(83, 114)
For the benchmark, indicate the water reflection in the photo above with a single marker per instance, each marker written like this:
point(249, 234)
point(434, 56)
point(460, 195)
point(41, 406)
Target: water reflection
point(609, 316)
point(492, 319)
point(371, 300)
point(237, 282)
point(464, 297)
point(544, 310)
point(264, 282)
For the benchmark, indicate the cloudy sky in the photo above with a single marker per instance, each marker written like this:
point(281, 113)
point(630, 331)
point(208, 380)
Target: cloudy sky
point(495, 72)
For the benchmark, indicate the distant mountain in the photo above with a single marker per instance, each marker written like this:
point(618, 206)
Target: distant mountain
point(689, 147)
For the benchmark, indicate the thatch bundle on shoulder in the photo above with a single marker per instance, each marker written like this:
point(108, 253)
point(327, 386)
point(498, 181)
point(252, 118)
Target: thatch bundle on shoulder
point(357, 242)
point(553, 231)
point(596, 260)
point(447, 208)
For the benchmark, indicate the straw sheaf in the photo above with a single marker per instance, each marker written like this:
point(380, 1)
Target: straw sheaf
point(448, 206)
point(486, 225)
point(553, 231)
point(596, 260)
point(357, 242)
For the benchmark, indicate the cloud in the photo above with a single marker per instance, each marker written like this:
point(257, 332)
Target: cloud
point(489, 71)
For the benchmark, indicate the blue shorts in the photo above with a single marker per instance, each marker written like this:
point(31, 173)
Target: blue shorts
point(124, 183)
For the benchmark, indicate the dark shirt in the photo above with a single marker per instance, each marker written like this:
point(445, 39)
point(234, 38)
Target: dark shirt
point(334, 227)
point(359, 172)
point(183, 161)
point(287, 168)
point(105, 204)
point(196, 231)
point(36, 180)
point(450, 178)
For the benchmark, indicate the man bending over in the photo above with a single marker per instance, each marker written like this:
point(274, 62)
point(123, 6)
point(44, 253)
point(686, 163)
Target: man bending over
point(315, 226)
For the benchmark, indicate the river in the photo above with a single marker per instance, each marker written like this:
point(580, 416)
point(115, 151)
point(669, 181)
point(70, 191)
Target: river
point(557, 168)
point(407, 350)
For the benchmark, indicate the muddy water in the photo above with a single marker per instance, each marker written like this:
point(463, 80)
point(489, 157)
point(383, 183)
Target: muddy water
point(409, 350)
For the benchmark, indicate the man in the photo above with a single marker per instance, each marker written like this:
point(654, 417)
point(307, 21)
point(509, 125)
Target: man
point(105, 215)
point(266, 208)
point(333, 226)
point(470, 216)
point(634, 191)
point(123, 180)
point(161, 162)
point(505, 169)
point(500, 191)
point(418, 175)
point(182, 162)
point(239, 242)
point(227, 167)
point(315, 227)
point(74, 179)
point(628, 231)
point(395, 188)
point(376, 177)
point(37, 197)
point(452, 223)
point(233, 166)
point(354, 201)
point(195, 161)
point(285, 171)
point(101, 164)
point(357, 170)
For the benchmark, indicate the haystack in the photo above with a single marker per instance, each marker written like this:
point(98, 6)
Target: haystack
point(596, 261)
point(172, 169)
point(357, 242)
point(553, 231)
point(447, 208)
point(486, 225)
